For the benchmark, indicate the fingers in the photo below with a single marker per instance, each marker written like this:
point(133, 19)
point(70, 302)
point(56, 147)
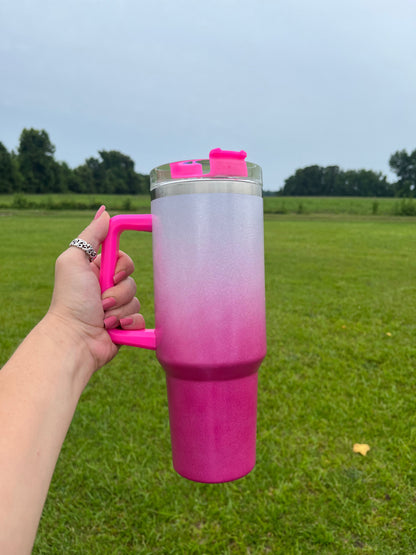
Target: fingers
point(119, 294)
point(119, 303)
point(121, 307)
point(132, 322)
point(131, 307)
point(127, 317)
point(124, 266)
point(94, 234)
point(97, 230)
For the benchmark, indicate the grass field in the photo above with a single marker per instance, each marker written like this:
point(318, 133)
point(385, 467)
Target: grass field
point(272, 205)
point(340, 369)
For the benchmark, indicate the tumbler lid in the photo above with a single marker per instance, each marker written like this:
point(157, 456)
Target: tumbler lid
point(222, 163)
point(224, 171)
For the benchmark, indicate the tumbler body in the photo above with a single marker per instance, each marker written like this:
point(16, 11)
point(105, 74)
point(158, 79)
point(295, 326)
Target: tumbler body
point(208, 260)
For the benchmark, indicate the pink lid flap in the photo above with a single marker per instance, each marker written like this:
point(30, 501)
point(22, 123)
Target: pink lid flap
point(222, 163)
point(188, 168)
point(227, 162)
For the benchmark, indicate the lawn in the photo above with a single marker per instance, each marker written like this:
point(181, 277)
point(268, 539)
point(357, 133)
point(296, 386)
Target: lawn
point(272, 205)
point(340, 369)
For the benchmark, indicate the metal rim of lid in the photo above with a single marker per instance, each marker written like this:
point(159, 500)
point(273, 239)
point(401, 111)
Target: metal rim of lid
point(207, 186)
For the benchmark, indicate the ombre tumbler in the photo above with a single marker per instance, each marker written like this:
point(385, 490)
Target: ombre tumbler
point(210, 331)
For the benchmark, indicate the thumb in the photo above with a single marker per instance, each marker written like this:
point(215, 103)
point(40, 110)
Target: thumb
point(96, 232)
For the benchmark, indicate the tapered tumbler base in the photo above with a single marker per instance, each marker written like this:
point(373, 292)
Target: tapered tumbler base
point(213, 427)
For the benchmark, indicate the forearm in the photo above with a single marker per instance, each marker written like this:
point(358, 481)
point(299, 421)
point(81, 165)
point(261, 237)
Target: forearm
point(39, 390)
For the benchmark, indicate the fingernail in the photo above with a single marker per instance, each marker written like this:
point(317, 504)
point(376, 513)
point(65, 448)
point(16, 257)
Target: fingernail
point(99, 212)
point(126, 321)
point(109, 302)
point(119, 276)
point(110, 322)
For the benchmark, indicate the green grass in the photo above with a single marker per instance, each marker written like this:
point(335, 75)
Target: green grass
point(272, 205)
point(340, 205)
point(340, 369)
point(70, 201)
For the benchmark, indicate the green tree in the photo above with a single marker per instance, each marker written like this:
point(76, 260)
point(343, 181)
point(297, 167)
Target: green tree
point(143, 183)
point(305, 182)
point(66, 177)
point(36, 162)
point(95, 172)
point(81, 180)
point(404, 166)
point(112, 173)
point(364, 183)
point(332, 181)
point(17, 176)
point(7, 171)
point(88, 178)
point(34, 170)
point(118, 171)
point(120, 176)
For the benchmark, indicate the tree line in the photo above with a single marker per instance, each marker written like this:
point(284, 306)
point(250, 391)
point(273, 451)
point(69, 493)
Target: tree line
point(33, 169)
point(333, 181)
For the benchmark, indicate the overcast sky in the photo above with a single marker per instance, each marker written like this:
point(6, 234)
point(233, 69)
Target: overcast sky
point(292, 82)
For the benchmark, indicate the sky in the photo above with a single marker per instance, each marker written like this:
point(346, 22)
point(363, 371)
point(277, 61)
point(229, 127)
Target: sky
point(292, 82)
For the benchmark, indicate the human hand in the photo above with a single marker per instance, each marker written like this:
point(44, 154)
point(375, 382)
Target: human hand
point(77, 304)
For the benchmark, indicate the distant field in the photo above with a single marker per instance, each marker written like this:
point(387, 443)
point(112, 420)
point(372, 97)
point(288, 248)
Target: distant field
point(136, 203)
point(339, 205)
point(272, 205)
point(340, 369)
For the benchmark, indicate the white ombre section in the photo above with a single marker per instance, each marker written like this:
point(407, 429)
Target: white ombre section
point(209, 284)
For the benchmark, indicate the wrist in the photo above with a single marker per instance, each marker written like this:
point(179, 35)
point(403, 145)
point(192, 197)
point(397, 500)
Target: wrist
point(68, 346)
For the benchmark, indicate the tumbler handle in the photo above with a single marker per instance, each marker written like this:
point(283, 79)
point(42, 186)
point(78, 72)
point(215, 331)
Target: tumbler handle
point(145, 338)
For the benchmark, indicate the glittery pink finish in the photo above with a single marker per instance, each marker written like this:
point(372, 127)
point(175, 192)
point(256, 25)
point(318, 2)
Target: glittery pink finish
point(213, 427)
point(210, 328)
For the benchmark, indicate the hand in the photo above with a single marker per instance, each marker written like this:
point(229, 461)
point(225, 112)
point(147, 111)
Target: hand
point(78, 307)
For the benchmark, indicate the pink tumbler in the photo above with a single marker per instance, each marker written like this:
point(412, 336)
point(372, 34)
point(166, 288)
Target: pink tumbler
point(210, 336)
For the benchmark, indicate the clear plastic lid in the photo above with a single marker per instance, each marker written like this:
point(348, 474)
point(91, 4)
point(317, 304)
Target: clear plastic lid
point(222, 165)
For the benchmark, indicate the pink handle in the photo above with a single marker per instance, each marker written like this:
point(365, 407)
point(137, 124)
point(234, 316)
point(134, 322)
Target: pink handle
point(109, 254)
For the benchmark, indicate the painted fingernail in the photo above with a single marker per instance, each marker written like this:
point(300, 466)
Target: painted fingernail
point(126, 321)
point(119, 276)
point(108, 303)
point(99, 212)
point(110, 322)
